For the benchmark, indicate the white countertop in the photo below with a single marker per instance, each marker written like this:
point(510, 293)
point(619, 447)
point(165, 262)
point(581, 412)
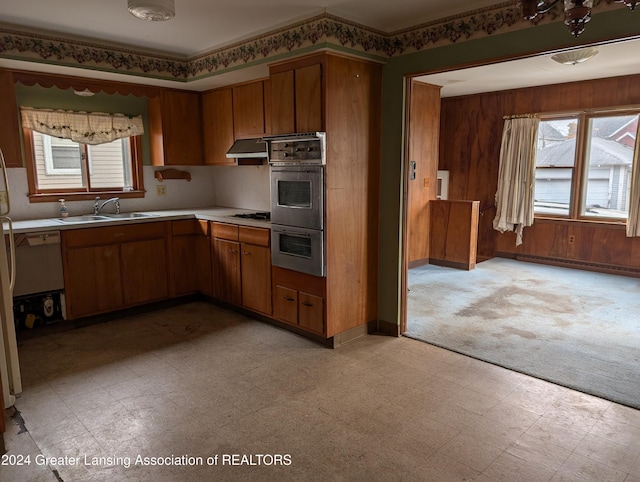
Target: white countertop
point(220, 214)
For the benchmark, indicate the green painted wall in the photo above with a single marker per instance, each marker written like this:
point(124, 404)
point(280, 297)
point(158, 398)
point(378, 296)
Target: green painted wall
point(605, 26)
point(55, 98)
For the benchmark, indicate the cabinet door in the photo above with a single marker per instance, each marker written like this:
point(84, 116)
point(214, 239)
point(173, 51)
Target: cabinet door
point(256, 278)
point(217, 126)
point(144, 264)
point(311, 312)
point(285, 305)
point(203, 259)
point(248, 110)
point(10, 132)
point(180, 127)
point(184, 264)
point(226, 271)
point(283, 112)
point(308, 101)
point(92, 280)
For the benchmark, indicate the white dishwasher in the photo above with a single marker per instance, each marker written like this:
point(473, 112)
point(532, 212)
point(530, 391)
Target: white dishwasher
point(38, 296)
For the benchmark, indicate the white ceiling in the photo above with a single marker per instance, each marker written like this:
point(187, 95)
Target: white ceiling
point(204, 25)
point(612, 60)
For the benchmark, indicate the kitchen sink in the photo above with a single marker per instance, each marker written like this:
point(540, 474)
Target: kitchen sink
point(129, 215)
point(88, 218)
point(82, 219)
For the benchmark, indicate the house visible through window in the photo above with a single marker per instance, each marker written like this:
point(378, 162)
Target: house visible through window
point(583, 165)
point(62, 165)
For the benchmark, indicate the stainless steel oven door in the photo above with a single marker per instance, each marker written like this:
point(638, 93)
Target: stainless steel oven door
point(298, 249)
point(297, 196)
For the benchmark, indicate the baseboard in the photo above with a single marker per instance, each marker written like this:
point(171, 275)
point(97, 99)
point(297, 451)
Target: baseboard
point(418, 262)
point(452, 264)
point(385, 328)
point(348, 336)
point(583, 265)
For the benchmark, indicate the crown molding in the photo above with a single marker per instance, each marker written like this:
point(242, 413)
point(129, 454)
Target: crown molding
point(324, 31)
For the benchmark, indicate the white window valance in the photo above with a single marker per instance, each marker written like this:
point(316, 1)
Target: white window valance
point(83, 127)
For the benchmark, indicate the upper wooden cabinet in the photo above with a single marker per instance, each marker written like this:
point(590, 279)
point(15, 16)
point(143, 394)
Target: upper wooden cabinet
point(10, 132)
point(297, 96)
point(249, 110)
point(175, 129)
point(217, 126)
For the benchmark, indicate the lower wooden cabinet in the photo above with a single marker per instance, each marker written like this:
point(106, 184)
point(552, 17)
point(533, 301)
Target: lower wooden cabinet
point(291, 304)
point(93, 283)
point(242, 266)
point(226, 271)
point(144, 264)
point(114, 267)
point(191, 248)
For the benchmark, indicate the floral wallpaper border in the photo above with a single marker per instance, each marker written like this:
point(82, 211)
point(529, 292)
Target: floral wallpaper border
point(324, 30)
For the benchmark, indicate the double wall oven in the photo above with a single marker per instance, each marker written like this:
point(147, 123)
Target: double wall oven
point(297, 201)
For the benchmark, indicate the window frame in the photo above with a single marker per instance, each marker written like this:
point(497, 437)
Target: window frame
point(41, 195)
point(579, 179)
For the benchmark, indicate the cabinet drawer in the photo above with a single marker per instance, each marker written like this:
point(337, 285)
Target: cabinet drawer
point(113, 234)
point(286, 305)
point(257, 236)
point(311, 312)
point(224, 231)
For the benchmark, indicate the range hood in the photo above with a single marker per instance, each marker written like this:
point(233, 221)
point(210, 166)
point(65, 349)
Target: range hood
point(248, 149)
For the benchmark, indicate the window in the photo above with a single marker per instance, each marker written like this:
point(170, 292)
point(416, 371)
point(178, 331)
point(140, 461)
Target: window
point(79, 154)
point(583, 165)
point(65, 166)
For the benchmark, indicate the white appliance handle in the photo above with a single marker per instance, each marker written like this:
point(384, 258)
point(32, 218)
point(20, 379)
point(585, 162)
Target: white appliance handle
point(3, 167)
point(12, 253)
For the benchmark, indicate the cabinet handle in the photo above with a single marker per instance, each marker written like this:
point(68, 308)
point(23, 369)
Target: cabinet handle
point(247, 253)
point(287, 298)
point(306, 303)
point(233, 250)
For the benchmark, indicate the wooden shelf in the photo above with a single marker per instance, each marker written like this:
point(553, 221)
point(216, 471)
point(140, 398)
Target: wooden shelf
point(172, 174)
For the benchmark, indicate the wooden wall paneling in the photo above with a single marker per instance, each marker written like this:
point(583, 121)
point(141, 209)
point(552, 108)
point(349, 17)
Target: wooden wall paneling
point(460, 118)
point(424, 134)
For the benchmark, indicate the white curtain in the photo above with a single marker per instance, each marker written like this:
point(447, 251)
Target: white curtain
point(516, 177)
point(83, 127)
point(633, 221)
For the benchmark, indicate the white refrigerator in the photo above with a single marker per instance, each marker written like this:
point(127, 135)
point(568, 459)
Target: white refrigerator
point(9, 364)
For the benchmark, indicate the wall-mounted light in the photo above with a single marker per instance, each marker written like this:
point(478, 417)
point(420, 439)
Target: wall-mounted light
point(152, 10)
point(576, 12)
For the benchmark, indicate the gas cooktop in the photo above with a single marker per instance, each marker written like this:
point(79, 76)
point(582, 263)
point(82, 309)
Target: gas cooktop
point(264, 216)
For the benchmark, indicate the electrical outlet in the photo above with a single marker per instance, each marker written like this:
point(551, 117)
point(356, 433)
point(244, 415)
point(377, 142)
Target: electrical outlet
point(161, 190)
point(3, 197)
point(572, 239)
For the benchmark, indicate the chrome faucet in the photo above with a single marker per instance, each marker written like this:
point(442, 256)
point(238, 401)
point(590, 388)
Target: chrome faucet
point(97, 207)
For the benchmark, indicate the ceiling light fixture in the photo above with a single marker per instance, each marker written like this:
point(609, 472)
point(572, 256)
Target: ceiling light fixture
point(84, 93)
point(574, 57)
point(152, 10)
point(576, 12)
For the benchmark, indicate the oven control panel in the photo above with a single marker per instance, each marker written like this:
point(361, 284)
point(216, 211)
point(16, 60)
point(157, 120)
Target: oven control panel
point(297, 150)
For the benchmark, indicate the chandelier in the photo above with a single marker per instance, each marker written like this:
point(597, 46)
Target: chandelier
point(576, 12)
